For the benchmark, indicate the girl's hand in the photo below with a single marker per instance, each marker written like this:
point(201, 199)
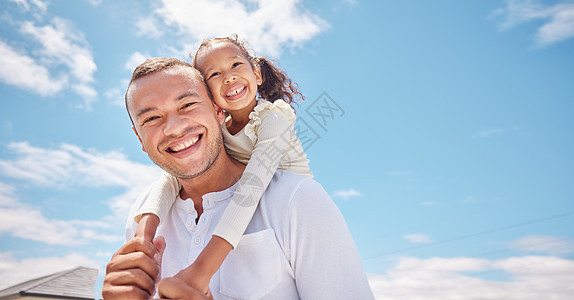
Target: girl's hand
point(176, 288)
point(147, 227)
point(195, 278)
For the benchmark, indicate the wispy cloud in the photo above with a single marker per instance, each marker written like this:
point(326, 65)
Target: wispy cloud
point(22, 71)
point(63, 45)
point(486, 133)
point(135, 60)
point(418, 238)
point(50, 57)
point(557, 19)
point(66, 167)
point(269, 26)
point(544, 244)
point(347, 194)
point(452, 278)
point(42, 6)
point(70, 165)
point(28, 222)
point(13, 271)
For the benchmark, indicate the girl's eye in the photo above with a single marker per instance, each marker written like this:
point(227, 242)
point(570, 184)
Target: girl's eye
point(213, 75)
point(236, 64)
point(188, 105)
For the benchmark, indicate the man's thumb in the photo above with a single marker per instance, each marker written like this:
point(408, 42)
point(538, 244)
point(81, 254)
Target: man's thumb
point(159, 243)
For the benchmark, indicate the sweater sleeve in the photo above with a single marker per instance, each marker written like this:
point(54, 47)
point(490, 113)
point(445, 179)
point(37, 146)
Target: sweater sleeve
point(160, 198)
point(273, 132)
point(325, 261)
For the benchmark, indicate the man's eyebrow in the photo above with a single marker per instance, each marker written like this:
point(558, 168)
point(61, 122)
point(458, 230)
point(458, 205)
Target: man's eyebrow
point(144, 111)
point(187, 94)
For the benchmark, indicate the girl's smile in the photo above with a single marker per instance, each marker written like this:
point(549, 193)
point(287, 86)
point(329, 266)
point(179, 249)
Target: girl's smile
point(236, 92)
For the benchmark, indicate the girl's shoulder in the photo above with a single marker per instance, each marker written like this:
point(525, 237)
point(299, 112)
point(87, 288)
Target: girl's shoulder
point(265, 108)
point(279, 106)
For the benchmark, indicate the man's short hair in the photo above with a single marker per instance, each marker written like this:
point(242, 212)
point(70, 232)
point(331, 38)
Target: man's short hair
point(156, 64)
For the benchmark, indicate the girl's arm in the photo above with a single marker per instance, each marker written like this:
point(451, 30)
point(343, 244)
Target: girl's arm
point(273, 135)
point(158, 202)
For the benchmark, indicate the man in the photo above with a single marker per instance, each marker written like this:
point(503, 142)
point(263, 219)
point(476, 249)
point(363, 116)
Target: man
point(297, 244)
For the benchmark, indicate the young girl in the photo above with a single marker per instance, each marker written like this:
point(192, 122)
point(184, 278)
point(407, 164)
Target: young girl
point(257, 132)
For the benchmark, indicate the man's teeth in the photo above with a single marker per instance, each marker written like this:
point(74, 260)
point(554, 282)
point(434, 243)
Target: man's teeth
point(184, 145)
point(237, 91)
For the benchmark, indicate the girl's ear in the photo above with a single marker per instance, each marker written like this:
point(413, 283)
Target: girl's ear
point(136, 132)
point(257, 72)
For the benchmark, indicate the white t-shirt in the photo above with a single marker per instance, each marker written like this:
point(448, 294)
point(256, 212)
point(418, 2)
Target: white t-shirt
point(297, 246)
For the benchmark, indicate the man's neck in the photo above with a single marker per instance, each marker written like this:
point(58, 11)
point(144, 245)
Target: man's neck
point(224, 173)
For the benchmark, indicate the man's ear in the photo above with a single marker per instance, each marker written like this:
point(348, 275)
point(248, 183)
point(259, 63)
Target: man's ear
point(141, 142)
point(219, 113)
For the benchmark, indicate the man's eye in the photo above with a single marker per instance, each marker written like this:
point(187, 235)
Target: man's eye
point(147, 120)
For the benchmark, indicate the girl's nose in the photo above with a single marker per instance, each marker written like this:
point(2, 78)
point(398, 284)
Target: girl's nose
point(230, 78)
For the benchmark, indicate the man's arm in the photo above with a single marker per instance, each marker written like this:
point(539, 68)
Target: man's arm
point(134, 269)
point(325, 260)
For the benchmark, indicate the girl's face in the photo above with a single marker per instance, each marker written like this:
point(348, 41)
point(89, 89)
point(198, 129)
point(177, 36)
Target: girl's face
point(230, 76)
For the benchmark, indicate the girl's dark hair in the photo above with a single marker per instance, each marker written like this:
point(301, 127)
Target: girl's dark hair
point(276, 84)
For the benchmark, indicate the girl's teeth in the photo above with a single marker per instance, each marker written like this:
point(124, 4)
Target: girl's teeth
point(235, 92)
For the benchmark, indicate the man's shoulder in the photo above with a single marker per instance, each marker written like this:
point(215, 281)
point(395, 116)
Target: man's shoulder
point(290, 188)
point(290, 181)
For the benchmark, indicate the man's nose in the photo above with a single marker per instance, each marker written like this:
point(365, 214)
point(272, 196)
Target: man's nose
point(175, 125)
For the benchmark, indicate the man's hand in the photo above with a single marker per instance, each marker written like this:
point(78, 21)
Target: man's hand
point(176, 288)
point(134, 270)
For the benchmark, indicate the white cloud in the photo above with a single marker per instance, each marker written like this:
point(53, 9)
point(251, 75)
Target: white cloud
point(532, 277)
point(95, 2)
point(24, 72)
point(558, 19)
point(29, 223)
point(347, 194)
point(30, 5)
point(148, 27)
point(57, 58)
point(116, 95)
point(71, 165)
point(63, 45)
point(430, 203)
point(269, 26)
point(418, 238)
point(486, 133)
point(6, 195)
point(13, 271)
point(545, 244)
point(65, 167)
point(135, 60)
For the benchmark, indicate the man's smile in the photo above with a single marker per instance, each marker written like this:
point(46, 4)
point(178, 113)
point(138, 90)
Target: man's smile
point(186, 144)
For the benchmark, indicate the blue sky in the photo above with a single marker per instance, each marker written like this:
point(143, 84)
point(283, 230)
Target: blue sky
point(443, 131)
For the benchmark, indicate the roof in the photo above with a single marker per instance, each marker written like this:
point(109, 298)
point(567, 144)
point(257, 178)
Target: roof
point(77, 283)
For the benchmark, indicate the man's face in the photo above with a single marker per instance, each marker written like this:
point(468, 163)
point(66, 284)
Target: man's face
point(177, 124)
